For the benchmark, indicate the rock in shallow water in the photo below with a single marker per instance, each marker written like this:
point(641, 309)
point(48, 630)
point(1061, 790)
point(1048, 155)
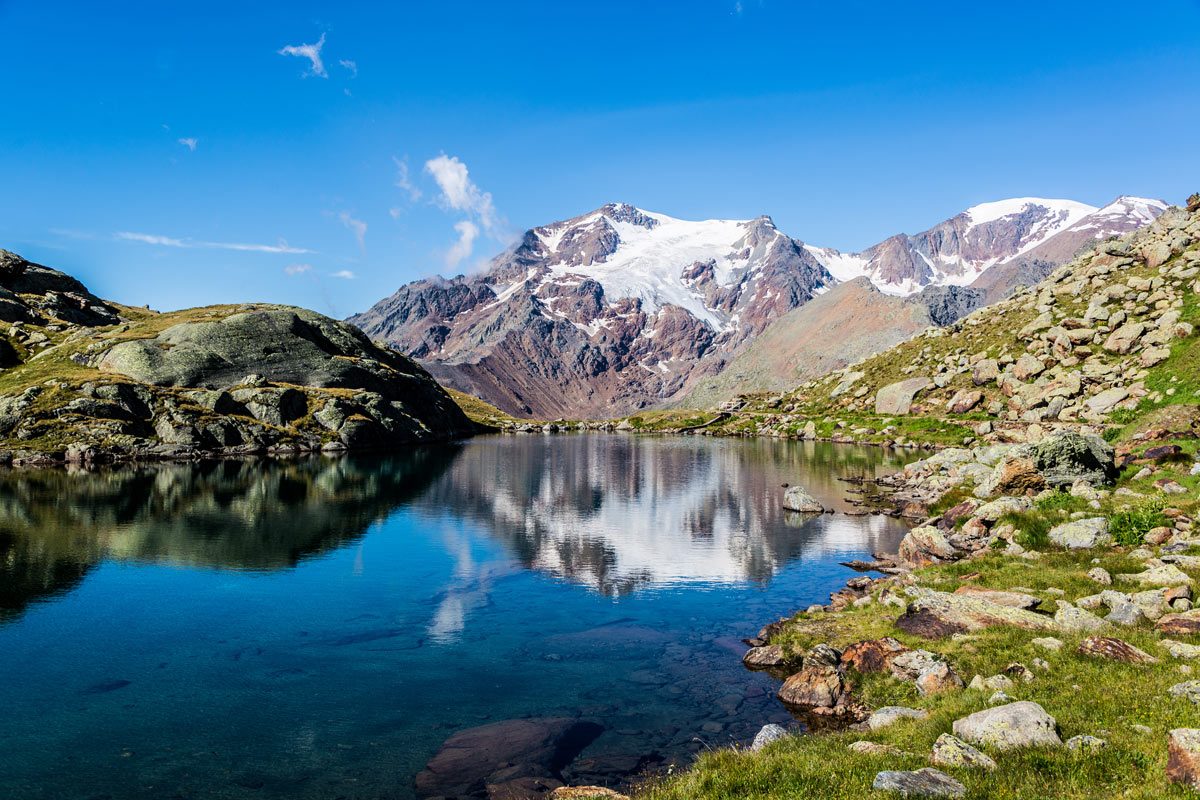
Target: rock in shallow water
point(796, 499)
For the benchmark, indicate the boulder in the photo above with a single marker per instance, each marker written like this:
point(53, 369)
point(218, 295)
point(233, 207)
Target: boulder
point(766, 735)
point(1070, 619)
point(1081, 534)
point(1184, 623)
point(1188, 690)
point(927, 782)
point(1114, 650)
point(1001, 597)
point(873, 655)
point(767, 657)
point(934, 615)
point(1068, 456)
point(1183, 757)
point(1020, 724)
point(1106, 400)
point(985, 371)
point(1158, 574)
point(897, 398)
point(819, 685)
point(796, 499)
point(950, 751)
point(938, 679)
point(926, 545)
point(965, 400)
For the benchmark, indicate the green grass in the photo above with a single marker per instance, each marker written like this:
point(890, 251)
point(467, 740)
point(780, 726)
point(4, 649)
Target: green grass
point(1084, 695)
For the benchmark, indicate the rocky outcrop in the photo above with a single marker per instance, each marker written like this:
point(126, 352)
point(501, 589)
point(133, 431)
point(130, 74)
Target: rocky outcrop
point(135, 384)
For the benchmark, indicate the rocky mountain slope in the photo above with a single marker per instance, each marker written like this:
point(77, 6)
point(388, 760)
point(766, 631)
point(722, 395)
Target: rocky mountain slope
point(960, 250)
point(842, 326)
point(1111, 331)
point(87, 379)
point(622, 309)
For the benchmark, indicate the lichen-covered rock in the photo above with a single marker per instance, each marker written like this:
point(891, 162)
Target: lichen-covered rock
point(950, 751)
point(1114, 650)
point(925, 782)
point(935, 615)
point(1081, 534)
point(1183, 757)
point(926, 545)
point(1020, 724)
point(795, 498)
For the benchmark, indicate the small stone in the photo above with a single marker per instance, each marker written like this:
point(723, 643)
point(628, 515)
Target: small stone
point(1181, 650)
point(1047, 643)
point(1188, 690)
point(927, 782)
point(875, 749)
point(1082, 533)
point(950, 751)
point(1086, 744)
point(1075, 620)
point(1100, 575)
point(767, 734)
point(1000, 698)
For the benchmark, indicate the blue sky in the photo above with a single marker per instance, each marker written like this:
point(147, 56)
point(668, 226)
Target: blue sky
point(182, 154)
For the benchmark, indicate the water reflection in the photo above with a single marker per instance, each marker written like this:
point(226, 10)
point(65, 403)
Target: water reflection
point(613, 513)
point(619, 513)
point(55, 525)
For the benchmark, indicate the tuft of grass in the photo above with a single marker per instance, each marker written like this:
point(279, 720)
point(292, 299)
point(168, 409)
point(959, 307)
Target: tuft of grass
point(1129, 526)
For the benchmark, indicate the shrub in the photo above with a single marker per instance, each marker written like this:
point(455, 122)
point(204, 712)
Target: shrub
point(1129, 527)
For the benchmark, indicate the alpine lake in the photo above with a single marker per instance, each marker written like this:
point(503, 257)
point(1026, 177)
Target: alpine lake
point(318, 627)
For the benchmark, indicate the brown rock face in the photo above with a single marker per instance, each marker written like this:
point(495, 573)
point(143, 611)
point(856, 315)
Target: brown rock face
point(1184, 624)
point(872, 655)
point(1114, 650)
point(1183, 757)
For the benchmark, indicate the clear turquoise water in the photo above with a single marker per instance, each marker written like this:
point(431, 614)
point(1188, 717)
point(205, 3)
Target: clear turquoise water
point(317, 628)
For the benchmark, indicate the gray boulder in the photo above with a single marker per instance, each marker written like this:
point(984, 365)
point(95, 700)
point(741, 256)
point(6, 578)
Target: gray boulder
point(1067, 456)
point(925, 782)
point(1020, 724)
point(766, 735)
point(796, 499)
point(897, 398)
point(1081, 534)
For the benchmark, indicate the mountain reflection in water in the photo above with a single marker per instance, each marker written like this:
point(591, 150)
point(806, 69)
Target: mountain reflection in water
point(317, 627)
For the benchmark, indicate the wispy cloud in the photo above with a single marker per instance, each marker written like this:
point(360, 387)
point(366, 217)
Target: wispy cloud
point(70, 234)
point(189, 143)
point(355, 226)
point(403, 180)
point(345, 273)
point(459, 192)
point(350, 65)
point(167, 241)
point(468, 232)
point(297, 269)
point(310, 51)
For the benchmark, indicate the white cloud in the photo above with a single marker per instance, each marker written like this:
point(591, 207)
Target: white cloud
point(459, 193)
point(395, 211)
point(350, 65)
point(468, 232)
point(167, 241)
point(310, 51)
point(345, 273)
point(298, 269)
point(357, 226)
point(189, 143)
point(403, 181)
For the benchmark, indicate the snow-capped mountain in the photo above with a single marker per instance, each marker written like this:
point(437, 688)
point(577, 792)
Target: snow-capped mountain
point(621, 308)
point(959, 250)
point(603, 313)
